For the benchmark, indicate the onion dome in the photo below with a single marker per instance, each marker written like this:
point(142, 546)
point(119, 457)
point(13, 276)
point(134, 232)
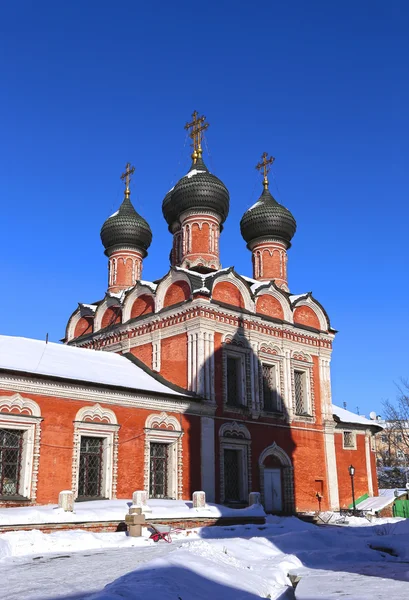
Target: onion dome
point(267, 219)
point(126, 228)
point(197, 190)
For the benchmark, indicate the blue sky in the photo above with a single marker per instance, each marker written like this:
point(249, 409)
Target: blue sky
point(323, 86)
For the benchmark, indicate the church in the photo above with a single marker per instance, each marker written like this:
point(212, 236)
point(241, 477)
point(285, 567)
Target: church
point(202, 380)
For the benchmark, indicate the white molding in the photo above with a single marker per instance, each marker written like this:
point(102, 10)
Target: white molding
point(23, 405)
point(96, 412)
point(287, 472)
point(99, 314)
point(207, 457)
point(243, 289)
point(271, 291)
point(31, 425)
point(164, 285)
point(240, 441)
point(309, 302)
point(139, 290)
point(237, 429)
point(165, 429)
point(156, 421)
point(105, 396)
point(109, 433)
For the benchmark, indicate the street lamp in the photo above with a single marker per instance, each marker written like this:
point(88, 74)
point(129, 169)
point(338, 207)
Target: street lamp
point(351, 470)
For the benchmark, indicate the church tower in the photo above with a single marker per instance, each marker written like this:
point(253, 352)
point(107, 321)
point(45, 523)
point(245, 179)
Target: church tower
point(268, 228)
point(126, 237)
point(195, 210)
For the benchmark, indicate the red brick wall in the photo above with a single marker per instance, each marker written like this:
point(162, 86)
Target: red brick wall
point(144, 353)
point(228, 293)
point(268, 305)
point(142, 306)
point(304, 315)
point(271, 265)
point(174, 359)
point(112, 315)
point(200, 238)
point(83, 326)
point(177, 292)
point(56, 449)
point(344, 459)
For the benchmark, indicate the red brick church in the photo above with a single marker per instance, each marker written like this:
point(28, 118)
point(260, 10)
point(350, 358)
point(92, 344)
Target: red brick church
point(204, 379)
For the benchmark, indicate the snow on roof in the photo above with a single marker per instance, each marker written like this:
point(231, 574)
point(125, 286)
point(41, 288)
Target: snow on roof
point(295, 297)
point(69, 362)
point(149, 284)
point(92, 307)
point(194, 172)
point(347, 416)
point(113, 215)
point(377, 503)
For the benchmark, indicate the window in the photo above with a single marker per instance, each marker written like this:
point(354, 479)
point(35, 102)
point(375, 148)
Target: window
point(232, 475)
point(400, 454)
point(234, 380)
point(11, 446)
point(349, 440)
point(398, 439)
point(300, 393)
point(90, 475)
point(384, 439)
point(269, 388)
point(158, 481)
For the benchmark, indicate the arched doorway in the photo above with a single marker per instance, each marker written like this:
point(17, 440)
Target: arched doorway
point(276, 480)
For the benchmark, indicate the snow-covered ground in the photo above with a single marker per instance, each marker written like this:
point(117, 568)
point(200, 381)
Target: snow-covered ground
point(242, 562)
point(115, 510)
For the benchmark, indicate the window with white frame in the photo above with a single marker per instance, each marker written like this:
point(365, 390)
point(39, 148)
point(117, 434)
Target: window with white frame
point(235, 444)
point(235, 379)
point(270, 394)
point(349, 440)
point(95, 455)
point(400, 454)
point(301, 392)
point(20, 431)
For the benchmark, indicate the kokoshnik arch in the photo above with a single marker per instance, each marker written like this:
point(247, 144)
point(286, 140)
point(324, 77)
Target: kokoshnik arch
point(250, 359)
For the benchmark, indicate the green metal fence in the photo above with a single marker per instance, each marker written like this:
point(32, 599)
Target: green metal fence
point(401, 508)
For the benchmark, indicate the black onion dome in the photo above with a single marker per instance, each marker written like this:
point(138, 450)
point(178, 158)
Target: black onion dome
point(267, 218)
point(197, 190)
point(126, 228)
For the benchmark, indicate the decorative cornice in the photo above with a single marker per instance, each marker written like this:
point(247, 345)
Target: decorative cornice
point(46, 387)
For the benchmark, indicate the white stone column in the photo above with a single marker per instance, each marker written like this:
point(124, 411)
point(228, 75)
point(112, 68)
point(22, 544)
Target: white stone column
point(331, 464)
point(288, 397)
point(368, 462)
point(325, 387)
point(255, 395)
point(207, 455)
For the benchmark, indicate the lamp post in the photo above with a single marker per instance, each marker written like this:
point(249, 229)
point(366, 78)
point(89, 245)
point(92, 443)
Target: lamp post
point(351, 470)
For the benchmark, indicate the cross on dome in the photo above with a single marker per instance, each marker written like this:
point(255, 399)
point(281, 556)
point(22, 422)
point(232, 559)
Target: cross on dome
point(126, 176)
point(197, 126)
point(264, 166)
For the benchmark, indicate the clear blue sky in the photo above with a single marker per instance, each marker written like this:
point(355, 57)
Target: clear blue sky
point(323, 86)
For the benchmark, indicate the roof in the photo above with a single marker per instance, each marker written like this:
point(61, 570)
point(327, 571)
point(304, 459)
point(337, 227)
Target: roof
point(376, 503)
point(70, 362)
point(346, 416)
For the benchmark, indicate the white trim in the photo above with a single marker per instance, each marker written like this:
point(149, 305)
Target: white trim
point(165, 429)
point(102, 308)
point(207, 457)
point(309, 302)
point(240, 440)
point(164, 285)
point(28, 420)
point(139, 290)
point(271, 291)
point(96, 412)
point(243, 289)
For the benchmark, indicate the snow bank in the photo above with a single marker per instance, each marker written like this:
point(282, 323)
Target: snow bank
point(115, 510)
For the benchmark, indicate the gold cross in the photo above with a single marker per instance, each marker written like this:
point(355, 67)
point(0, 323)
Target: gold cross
point(265, 165)
point(127, 175)
point(197, 126)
